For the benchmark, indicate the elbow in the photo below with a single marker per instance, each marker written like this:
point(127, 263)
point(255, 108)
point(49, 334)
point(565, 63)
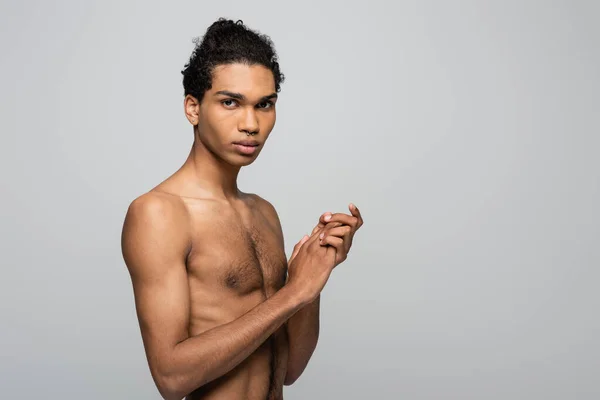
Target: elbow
point(169, 389)
point(175, 386)
point(169, 386)
point(290, 378)
point(288, 382)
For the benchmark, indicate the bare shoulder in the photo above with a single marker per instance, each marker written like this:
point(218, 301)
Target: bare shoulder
point(154, 221)
point(266, 208)
point(157, 210)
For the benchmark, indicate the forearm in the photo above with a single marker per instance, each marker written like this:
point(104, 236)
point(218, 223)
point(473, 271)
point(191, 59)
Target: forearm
point(303, 334)
point(205, 357)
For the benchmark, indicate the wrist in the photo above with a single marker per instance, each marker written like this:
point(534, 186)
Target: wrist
point(296, 295)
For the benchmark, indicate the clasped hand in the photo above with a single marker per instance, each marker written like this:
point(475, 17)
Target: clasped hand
point(335, 230)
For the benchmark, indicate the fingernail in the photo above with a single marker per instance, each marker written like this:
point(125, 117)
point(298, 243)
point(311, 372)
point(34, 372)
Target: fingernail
point(322, 235)
point(327, 217)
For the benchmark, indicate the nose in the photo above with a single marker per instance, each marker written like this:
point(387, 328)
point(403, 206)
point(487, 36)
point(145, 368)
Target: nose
point(248, 121)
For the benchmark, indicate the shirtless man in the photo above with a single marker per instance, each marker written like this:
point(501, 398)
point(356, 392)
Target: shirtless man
point(222, 313)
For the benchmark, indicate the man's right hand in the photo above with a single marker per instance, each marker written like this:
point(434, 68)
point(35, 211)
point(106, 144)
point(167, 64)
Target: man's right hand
point(310, 266)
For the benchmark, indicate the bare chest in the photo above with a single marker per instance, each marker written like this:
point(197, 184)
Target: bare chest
point(235, 257)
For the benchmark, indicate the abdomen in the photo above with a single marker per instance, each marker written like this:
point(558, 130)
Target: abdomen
point(259, 377)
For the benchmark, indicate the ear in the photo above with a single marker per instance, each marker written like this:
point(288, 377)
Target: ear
point(191, 107)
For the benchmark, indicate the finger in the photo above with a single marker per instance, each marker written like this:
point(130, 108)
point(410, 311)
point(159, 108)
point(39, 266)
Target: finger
point(325, 218)
point(344, 219)
point(331, 225)
point(304, 239)
point(338, 244)
point(343, 231)
point(314, 236)
point(356, 213)
point(316, 233)
point(316, 228)
point(326, 225)
point(313, 241)
point(297, 247)
point(320, 228)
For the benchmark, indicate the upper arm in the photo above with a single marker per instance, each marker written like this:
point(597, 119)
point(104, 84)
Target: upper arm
point(155, 242)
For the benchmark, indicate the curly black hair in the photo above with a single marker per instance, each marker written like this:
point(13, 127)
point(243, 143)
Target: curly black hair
point(227, 42)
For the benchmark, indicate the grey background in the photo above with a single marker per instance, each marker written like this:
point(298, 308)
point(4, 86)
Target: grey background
point(466, 131)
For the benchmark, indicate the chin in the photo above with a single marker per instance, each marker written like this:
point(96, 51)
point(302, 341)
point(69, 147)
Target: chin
point(241, 161)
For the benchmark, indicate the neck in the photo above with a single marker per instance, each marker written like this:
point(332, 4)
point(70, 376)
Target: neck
point(207, 175)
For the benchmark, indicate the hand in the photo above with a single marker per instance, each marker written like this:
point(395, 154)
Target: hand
point(337, 230)
point(310, 266)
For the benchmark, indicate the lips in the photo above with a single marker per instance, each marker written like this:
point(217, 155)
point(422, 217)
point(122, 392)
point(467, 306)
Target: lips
point(246, 147)
point(252, 143)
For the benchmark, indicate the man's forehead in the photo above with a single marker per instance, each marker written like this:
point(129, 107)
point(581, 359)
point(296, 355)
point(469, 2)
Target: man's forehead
point(252, 80)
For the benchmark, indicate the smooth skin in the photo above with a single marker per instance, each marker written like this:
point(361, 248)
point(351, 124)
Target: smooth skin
point(222, 313)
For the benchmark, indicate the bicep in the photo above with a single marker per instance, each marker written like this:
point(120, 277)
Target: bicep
point(154, 249)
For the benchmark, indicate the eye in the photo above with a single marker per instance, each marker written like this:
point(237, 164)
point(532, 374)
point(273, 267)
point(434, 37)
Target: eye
point(265, 104)
point(229, 103)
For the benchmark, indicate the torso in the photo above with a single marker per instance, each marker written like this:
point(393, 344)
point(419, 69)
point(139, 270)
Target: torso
point(236, 262)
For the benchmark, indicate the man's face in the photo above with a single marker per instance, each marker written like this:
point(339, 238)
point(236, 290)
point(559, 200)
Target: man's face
point(240, 107)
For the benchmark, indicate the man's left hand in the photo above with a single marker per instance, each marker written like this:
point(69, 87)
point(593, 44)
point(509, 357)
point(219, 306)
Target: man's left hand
point(338, 230)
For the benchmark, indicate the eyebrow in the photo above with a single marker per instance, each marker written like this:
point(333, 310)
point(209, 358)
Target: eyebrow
point(241, 97)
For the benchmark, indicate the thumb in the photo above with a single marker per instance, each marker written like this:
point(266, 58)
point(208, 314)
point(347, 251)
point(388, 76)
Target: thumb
point(297, 248)
point(321, 223)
